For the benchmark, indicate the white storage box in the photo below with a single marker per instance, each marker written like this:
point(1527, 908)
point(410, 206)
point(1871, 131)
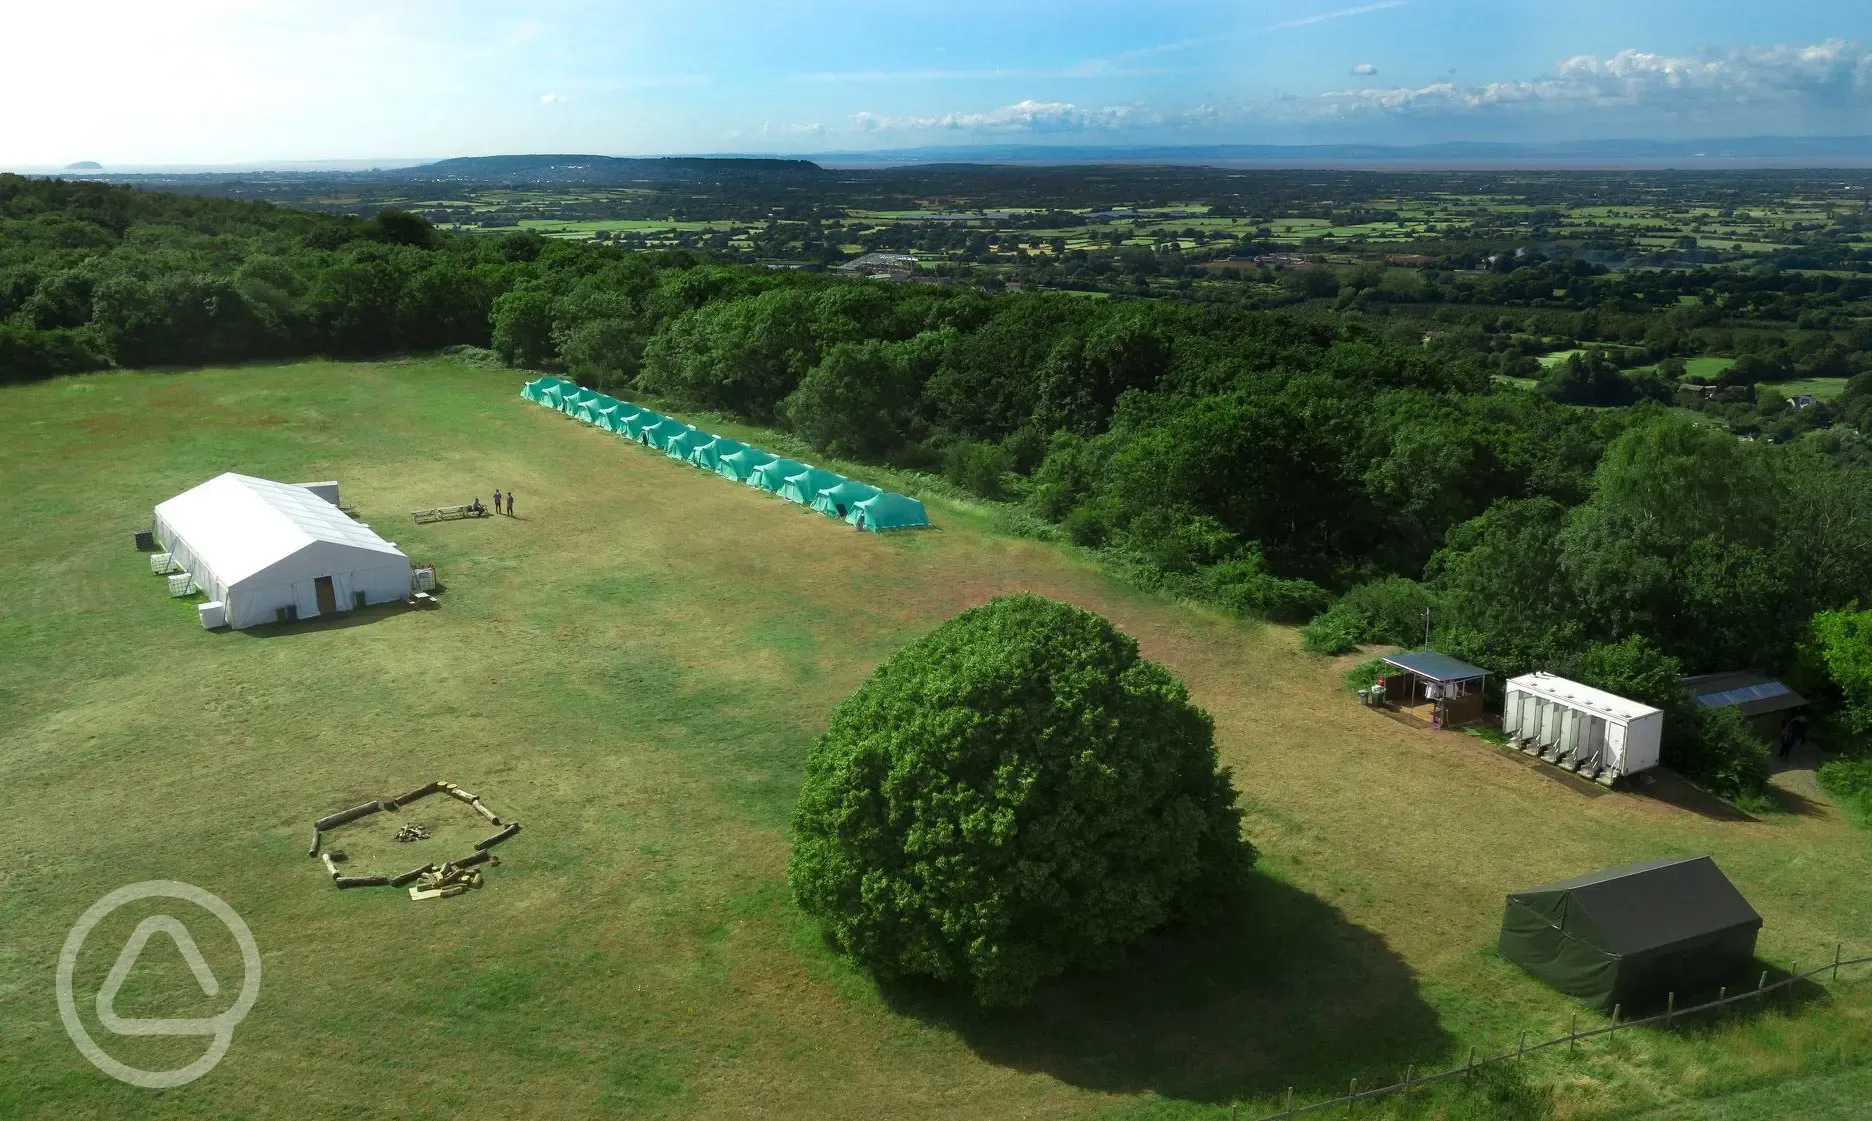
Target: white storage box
point(213, 614)
point(181, 584)
point(422, 578)
point(162, 563)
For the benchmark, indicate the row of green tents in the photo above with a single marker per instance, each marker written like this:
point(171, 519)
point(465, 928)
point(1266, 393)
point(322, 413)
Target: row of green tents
point(828, 492)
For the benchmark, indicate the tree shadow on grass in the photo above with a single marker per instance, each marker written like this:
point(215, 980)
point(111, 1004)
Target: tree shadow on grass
point(1280, 991)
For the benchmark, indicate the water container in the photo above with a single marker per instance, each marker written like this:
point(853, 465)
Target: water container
point(181, 584)
point(213, 614)
point(423, 578)
point(161, 563)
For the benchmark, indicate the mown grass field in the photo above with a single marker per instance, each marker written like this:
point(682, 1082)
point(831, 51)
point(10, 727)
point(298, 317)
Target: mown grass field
point(634, 667)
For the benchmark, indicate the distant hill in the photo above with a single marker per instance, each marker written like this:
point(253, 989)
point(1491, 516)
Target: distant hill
point(612, 169)
point(85, 165)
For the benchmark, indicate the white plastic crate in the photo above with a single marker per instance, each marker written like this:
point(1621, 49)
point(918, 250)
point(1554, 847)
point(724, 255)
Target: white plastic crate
point(162, 563)
point(181, 584)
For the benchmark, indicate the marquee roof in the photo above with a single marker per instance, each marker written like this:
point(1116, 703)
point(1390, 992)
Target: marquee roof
point(241, 525)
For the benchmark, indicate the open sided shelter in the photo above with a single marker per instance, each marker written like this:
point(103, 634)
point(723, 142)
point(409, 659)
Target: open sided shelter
point(805, 486)
point(683, 443)
point(710, 455)
point(773, 474)
point(1445, 691)
point(1763, 703)
point(837, 501)
point(740, 466)
point(1596, 733)
point(270, 550)
point(887, 511)
point(1633, 935)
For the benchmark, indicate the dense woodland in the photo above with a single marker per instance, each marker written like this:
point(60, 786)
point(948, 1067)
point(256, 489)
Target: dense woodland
point(1318, 462)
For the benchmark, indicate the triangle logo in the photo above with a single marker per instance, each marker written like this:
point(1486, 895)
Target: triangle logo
point(126, 961)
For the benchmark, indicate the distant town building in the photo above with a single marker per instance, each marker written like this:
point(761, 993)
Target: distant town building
point(891, 266)
point(1803, 400)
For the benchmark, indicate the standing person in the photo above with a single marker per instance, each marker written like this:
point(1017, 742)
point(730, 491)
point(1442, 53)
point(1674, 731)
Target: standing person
point(497, 500)
point(510, 502)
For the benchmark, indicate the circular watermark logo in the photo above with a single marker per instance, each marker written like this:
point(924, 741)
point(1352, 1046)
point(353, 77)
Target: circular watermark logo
point(220, 1027)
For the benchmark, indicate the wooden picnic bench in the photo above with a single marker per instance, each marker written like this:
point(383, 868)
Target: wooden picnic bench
point(449, 513)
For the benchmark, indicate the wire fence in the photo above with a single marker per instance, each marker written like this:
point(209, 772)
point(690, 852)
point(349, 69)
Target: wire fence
point(1762, 992)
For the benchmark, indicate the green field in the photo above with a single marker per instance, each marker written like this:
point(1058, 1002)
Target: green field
point(634, 667)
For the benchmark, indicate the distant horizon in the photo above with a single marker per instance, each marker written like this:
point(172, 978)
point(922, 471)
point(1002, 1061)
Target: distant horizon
point(1767, 152)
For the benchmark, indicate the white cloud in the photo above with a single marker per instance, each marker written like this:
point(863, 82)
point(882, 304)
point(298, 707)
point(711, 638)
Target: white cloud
point(553, 99)
point(1365, 69)
point(1834, 73)
point(1022, 116)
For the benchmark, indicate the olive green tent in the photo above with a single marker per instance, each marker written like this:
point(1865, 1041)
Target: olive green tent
point(740, 466)
point(805, 486)
point(710, 455)
point(536, 390)
point(887, 511)
point(682, 443)
point(837, 501)
point(1633, 935)
point(771, 476)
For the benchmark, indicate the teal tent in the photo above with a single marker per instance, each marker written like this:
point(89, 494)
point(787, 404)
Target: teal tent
point(770, 477)
point(888, 511)
point(588, 408)
point(625, 412)
point(683, 443)
point(607, 419)
point(536, 390)
point(740, 466)
point(709, 455)
point(805, 486)
point(572, 397)
point(655, 434)
point(549, 396)
point(837, 501)
point(645, 418)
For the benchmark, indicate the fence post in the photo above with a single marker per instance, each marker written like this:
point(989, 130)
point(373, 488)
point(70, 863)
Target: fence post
point(1761, 986)
point(1231, 1111)
point(1290, 1112)
point(1670, 1008)
point(1836, 959)
point(1410, 1069)
point(1722, 993)
point(1352, 1098)
point(1520, 1047)
point(1572, 1041)
point(1470, 1071)
point(1613, 1034)
point(1793, 976)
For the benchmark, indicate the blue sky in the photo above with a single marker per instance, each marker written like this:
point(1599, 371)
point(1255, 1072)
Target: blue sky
point(222, 81)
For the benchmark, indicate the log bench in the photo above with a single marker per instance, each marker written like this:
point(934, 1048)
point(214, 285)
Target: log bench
point(449, 513)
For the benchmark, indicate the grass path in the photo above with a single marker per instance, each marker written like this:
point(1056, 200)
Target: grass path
point(633, 667)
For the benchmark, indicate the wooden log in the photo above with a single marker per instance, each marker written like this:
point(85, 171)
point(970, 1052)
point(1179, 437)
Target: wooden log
point(458, 792)
point(422, 791)
point(361, 881)
point(333, 821)
point(454, 890)
point(318, 839)
point(330, 866)
point(493, 818)
point(470, 861)
point(402, 878)
point(486, 843)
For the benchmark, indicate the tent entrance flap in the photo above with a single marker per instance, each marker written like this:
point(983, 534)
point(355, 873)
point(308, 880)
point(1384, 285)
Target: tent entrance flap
point(326, 595)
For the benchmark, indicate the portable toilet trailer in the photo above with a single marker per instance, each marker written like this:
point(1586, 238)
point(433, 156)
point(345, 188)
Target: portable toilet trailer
point(1598, 734)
